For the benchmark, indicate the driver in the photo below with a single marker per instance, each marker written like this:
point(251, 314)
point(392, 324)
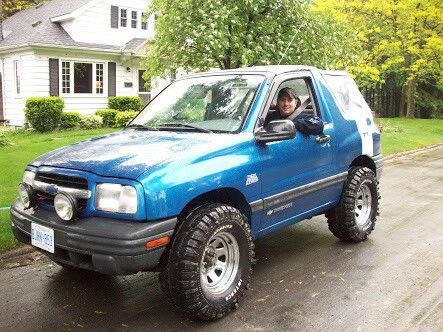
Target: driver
point(288, 107)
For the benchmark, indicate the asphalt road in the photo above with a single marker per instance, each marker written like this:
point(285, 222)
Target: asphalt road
point(305, 279)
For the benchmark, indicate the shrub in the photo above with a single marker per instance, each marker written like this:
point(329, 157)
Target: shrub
point(69, 120)
point(4, 141)
point(44, 113)
point(108, 116)
point(123, 117)
point(91, 122)
point(122, 103)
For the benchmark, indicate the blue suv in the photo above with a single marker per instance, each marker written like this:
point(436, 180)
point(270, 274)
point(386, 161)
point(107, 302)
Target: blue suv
point(199, 174)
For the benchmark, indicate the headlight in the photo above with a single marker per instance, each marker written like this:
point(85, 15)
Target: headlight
point(26, 195)
point(66, 206)
point(28, 177)
point(115, 198)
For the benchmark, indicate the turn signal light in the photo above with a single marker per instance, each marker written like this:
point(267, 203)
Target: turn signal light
point(157, 242)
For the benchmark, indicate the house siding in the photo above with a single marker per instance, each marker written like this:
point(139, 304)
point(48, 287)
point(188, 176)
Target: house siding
point(94, 24)
point(14, 103)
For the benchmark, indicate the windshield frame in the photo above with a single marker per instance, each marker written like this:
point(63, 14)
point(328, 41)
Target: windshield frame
point(202, 75)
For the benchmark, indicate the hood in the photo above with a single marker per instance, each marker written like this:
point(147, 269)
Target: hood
point(128, 154)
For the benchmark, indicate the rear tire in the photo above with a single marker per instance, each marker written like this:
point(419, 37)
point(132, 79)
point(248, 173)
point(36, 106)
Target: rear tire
point(210, 262)
point(353, 219)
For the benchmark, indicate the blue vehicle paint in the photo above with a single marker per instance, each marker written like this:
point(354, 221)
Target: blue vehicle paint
point(169, 168)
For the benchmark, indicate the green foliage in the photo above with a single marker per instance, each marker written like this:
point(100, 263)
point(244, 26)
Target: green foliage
point(4, 141)
point(125, 103)
point(91, 122)
point(10, 7)
point(232, 34)
point(123, 117)
point(44, 113)
point(402, 39)
point(69, 120)
point(429, 106)
point(108, 116)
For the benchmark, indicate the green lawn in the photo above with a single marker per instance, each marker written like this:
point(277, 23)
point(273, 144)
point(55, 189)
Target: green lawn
point(401, 134)
point(398, 135)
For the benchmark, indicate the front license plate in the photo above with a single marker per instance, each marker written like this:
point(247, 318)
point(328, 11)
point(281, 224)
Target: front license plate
point(42, 237)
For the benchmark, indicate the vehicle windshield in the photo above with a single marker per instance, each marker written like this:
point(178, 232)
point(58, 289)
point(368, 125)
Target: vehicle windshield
point(206, 104)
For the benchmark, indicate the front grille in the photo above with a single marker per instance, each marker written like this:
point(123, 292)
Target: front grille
point(62, 180)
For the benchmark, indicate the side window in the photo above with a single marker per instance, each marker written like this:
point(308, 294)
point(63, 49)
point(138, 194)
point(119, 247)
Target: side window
point(347, 94)
point(303, 90)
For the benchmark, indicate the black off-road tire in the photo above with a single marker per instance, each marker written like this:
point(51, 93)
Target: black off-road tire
point(193, 253)
point(353, 219)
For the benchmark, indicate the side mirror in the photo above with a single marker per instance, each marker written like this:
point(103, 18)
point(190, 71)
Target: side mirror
point(277, 130)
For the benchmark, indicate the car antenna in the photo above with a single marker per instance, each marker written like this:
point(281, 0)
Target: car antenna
point(289, 44)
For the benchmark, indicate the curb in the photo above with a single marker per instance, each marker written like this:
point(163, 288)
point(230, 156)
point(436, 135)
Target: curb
point(26, 249)
point(395, 156)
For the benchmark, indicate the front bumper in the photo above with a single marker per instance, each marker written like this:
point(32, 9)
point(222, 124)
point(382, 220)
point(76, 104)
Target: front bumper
point(104, 245)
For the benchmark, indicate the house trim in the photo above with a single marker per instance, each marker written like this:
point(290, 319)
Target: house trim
point(76, 13)
point(8, 49)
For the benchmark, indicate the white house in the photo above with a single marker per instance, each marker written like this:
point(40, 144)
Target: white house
point(80, 50)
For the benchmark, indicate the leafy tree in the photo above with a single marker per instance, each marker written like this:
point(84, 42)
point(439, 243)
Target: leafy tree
point(10, 7)
point(199, 34)
point(402, 39)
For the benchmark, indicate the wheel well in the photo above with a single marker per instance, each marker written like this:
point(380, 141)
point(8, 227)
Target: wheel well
point(364, 161)
point(229, 196)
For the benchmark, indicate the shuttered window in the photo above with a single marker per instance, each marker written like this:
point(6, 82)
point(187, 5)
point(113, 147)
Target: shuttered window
point(82, 78)
point(144, 24)
point(66, 77)
point(123, 17)
point(134, 19)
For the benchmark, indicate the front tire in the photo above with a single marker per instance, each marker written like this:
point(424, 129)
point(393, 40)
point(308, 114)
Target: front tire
point(210, 262)
point(353, 219)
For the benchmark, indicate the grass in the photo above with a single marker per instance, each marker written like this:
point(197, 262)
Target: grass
point(401, 134)
point(24, 146)
point(398, 135)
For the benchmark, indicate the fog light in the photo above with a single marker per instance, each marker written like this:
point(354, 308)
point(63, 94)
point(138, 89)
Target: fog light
point(26, 194)
point(66, 206)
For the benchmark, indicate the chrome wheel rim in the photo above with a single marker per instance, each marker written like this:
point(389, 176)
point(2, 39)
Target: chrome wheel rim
point(363, 204)
point(220, 263)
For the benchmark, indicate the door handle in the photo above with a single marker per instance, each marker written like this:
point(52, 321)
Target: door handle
point(323, 139)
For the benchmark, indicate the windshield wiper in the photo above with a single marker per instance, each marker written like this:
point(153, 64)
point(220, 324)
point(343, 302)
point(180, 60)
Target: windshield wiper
point(184, 125)
point(140, 126)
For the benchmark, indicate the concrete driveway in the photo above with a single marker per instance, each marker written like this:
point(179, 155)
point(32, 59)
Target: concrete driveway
point(305, 279)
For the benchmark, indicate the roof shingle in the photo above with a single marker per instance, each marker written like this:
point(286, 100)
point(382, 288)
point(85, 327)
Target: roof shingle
point(23, 28)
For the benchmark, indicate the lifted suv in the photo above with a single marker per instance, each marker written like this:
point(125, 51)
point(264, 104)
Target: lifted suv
point(196, 176)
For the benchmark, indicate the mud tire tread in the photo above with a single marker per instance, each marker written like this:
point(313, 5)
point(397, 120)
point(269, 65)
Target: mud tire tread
point(341, 219)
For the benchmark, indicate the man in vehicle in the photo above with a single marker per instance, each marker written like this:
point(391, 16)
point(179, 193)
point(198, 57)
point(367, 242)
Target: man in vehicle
point(290, 107)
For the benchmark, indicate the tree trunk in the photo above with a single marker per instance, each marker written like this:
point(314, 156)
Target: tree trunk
point(401, 112)
point(410, 102)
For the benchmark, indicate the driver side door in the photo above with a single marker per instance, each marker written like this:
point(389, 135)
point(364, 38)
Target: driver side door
point(293, 170)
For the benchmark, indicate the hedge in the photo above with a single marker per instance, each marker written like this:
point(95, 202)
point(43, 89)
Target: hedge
point(123, 117)
point(44, 113)
point(108, 116)
point(69, 120)
point(91, 122)
point(125, 103)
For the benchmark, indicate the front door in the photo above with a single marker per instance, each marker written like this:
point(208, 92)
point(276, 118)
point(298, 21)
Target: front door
point(296, 172)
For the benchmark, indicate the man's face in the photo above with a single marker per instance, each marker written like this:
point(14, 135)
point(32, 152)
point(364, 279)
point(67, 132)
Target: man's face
point(286, 104)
